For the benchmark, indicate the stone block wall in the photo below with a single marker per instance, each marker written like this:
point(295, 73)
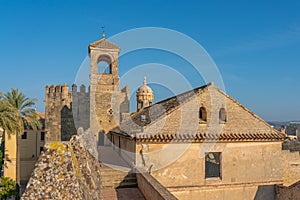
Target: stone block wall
point(125, 147)
point(81, 106)
point(248, 170)
point(151, 188)
point(291, 167)
point(57, 99)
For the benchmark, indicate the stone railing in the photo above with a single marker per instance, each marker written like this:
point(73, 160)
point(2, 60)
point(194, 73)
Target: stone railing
point(151, 188)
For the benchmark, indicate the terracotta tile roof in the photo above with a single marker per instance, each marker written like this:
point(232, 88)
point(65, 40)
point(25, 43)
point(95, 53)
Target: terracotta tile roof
point(212, 137)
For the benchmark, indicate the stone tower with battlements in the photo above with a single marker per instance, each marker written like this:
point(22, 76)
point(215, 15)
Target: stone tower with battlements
point(65, 111)
point(58, 101)
point(100, 108)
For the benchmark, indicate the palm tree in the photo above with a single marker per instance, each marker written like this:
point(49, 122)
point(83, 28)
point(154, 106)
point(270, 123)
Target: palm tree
point(25, 114)
point(9, 118)
point(10, 122)
point(23, 105)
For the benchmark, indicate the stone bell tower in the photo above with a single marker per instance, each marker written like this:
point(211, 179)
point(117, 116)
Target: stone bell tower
point(105, 94)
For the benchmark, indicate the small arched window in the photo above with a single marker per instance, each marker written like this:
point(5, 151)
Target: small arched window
point(104, 64)
point(141, 104)
point(104, 68)
point(222, 115)
point(202, 114)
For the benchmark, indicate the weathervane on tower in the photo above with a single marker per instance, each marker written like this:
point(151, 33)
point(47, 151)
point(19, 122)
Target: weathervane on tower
point(103, 31)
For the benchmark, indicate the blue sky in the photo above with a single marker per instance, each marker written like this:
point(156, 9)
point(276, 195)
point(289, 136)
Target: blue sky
point(255, 44)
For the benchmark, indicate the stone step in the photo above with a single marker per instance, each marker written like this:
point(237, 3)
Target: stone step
point(112, 178)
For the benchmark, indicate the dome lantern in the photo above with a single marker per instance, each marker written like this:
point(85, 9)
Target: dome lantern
point(144, 96)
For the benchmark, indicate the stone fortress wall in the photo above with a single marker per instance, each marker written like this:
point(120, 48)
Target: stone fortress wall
point(65, 111)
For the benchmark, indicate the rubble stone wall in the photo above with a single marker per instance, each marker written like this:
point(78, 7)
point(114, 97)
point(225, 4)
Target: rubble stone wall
point(66, 170)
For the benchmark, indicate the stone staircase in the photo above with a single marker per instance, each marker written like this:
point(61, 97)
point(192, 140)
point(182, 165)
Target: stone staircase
point(114, 178)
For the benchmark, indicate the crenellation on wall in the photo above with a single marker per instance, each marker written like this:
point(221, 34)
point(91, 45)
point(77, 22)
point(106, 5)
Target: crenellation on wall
point(74, 88)
point(65, 111)
point(81, 106)
point(56, 99)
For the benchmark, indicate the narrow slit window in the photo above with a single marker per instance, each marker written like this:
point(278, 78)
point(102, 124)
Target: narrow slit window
point(202, 114)
point(222, 115)
point(42, 136)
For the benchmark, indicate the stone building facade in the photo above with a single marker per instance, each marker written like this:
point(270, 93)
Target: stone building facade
point(22, 152)
point(31, 144)
point(204, 144)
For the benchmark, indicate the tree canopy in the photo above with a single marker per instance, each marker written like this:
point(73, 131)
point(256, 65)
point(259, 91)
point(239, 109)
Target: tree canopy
point(23, 110)
point(7, 188)
point(9, 117)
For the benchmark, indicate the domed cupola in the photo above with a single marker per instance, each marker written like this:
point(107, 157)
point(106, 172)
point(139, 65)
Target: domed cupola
point(144, 96)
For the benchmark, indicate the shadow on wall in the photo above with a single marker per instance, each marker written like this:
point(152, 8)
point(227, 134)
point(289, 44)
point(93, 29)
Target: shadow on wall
point(265, 192)
point(67, 124)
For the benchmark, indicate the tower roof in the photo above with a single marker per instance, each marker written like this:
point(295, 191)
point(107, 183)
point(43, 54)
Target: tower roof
point(144, 89)
point(104, 44)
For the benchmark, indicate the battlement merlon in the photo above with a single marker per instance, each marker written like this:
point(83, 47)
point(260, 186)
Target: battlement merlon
point(57, 89)
point(82, 89)
point(64, 89)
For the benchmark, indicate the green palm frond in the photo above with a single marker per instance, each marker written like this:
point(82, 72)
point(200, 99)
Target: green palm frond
point(9, 118)
point(31, 121)
point(23, 105)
